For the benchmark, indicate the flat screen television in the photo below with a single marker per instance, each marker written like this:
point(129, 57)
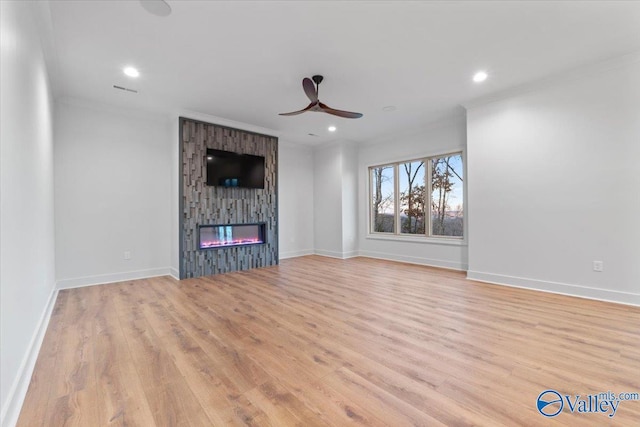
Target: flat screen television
point(227, 169)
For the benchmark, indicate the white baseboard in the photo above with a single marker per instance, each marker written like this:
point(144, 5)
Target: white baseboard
point(173, 272)
point(557, 288)
point(79, 282)
point(18, 391)
point(453, 265)
point(333, 254)
point(295, 254)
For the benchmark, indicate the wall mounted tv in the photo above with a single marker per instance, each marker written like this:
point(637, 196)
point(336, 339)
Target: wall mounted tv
point(227, 169)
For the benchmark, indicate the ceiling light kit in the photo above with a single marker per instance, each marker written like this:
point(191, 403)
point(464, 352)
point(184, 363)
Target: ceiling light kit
point(312, 93)
point(331, 128)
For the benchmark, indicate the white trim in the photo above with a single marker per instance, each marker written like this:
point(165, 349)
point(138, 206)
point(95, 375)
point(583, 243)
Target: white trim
point(339, 255)
point(127, 112)
point(454, 116)
point(18, 391)
point(173, 272)
point(295, 254)
point(556, 79)
point(416, 239)
point(321, 145)
point(302, 146)
point(79, 282)
point(556, 288)
point(432, 154)
point(451, 265)
point(351, 254)
point(221, 121)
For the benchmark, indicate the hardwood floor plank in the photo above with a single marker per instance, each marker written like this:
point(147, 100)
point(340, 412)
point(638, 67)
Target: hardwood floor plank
point(276, 396)
point(79, 408)
point(385, 406)
point(320, 341)
point(275, 413)
point(120, 392)
point(75, 366)
point(34, 410)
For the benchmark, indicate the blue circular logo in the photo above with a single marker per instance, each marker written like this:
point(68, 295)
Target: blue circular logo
point(550, 403)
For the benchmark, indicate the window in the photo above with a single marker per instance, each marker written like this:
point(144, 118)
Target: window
point(383, 200)
point(446, 195)
point(422, 197)
point(412, 197)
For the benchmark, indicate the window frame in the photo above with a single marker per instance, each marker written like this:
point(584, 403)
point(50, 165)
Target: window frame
point(397, 226)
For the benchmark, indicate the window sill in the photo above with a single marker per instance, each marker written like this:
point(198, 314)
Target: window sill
point(419, 239)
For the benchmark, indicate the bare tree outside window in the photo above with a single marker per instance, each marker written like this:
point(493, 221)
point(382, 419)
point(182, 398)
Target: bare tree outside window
point(383, 202)
point(446, 196)
point(412, 197)
point(425, 205)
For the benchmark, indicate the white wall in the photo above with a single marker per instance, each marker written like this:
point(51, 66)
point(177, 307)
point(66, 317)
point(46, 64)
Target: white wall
point(112, 194)
point(174, 148)
point(295, 200)
point(327, 200)
point(335, 199)
point(349, 200)
point(27, 281)
point(554, 185)
point(438, 138)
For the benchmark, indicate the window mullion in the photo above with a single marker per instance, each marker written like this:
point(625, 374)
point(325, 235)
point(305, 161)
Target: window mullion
point(427, 197)
point(396, 201)
point(371, 196)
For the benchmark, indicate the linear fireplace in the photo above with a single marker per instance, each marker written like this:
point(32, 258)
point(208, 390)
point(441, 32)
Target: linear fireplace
point(228, 235)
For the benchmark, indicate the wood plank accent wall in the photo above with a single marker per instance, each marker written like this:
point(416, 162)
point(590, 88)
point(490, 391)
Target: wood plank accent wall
point(204, 205)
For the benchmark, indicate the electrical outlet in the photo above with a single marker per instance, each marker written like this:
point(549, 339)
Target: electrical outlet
point(127, 255)
point(598, 266)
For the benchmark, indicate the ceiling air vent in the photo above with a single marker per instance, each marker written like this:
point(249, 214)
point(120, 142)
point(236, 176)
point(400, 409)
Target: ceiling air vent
point(125, 89)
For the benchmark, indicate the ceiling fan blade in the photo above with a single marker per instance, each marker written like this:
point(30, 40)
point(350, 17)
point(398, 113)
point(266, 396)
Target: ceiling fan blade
point(310, 89)
point(156, 7)
point(295, 113)
point(339, 113)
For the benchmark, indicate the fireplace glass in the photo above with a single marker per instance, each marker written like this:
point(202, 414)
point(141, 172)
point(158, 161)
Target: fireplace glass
point(224, 236)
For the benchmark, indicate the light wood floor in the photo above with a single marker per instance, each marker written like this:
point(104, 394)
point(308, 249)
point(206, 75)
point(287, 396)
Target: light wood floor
point(318, 341)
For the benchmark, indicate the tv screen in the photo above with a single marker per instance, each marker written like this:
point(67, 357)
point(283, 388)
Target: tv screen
point(227, 169)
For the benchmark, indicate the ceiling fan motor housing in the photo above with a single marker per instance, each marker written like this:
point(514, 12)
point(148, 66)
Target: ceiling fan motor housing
point(311, 91)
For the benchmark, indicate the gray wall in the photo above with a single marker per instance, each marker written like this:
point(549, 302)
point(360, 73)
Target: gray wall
point(202, 205)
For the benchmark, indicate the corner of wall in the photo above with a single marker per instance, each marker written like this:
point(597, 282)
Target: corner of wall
point(12, 406)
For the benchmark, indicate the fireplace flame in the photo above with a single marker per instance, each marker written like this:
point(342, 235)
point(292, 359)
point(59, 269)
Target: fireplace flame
point(232, 242)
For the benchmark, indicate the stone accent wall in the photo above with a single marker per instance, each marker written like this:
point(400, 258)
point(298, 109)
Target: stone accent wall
point(203, 205)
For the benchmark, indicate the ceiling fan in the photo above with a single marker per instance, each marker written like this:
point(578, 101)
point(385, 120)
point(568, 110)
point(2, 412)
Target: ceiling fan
point(312, 93)
point(156, 7)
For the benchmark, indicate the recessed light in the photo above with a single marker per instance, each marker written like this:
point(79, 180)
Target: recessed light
point(332, 128)
point(389, 108)
point(131, 72)
point(480, 76)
